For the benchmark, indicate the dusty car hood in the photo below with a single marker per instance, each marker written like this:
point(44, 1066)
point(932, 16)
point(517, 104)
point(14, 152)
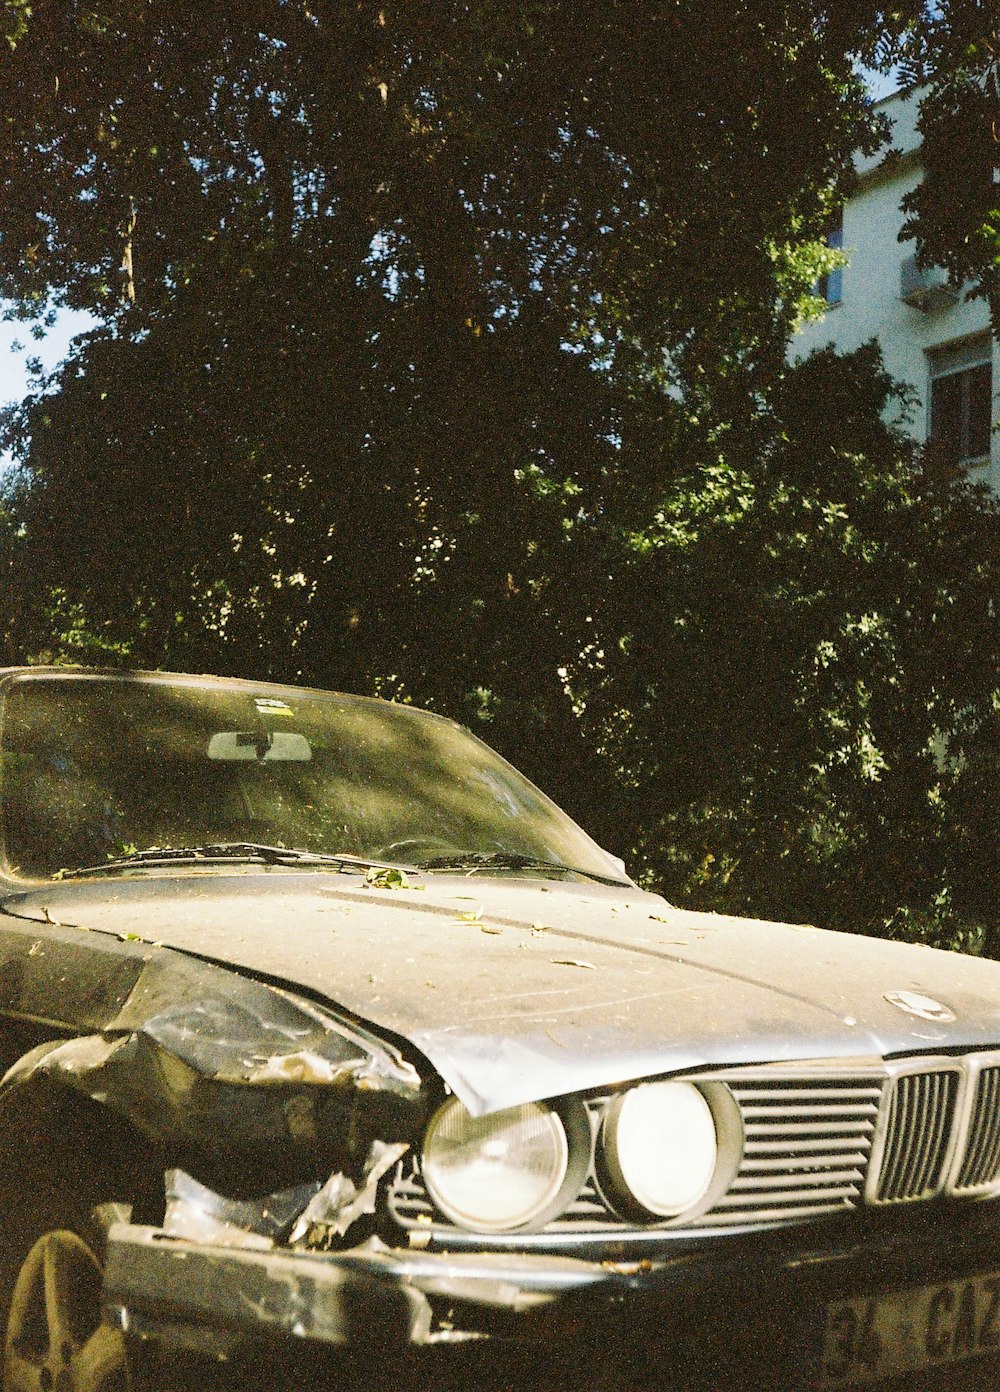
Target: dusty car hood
point(516, 989)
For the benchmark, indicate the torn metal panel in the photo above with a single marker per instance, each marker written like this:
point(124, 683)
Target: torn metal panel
point(340, 1202)
point(236, 1137)
point(243, 1085)
point(198, 1214)
point(319, 1214)
point(226, 1026)
point(258, 1037)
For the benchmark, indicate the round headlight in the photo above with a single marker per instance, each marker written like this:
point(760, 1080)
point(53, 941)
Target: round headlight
point(660, 1147)
point(494, 1172)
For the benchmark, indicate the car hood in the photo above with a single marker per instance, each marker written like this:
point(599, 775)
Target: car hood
point(518, 989)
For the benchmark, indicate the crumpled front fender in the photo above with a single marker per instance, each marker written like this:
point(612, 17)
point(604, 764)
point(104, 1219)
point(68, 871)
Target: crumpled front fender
point(243, 1084)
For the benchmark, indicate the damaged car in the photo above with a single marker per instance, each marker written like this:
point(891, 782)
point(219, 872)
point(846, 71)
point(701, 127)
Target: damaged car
point(323, 1029)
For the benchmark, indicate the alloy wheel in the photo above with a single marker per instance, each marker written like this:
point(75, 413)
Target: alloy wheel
point(57, 1340)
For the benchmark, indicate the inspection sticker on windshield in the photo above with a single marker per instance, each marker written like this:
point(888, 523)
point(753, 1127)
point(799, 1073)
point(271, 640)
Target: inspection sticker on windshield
point(268, 705)
point(880, 1336)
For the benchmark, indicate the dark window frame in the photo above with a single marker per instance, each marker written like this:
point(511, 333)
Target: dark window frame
point(960, 402)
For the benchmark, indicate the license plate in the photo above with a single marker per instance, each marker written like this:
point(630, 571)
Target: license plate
point(879, 1336)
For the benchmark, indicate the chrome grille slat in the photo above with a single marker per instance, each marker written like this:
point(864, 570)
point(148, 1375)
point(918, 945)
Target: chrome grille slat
point(803, 1144)
point(947, 1083)
point(757, 1165)
point(938, 1129)
point(904, 1133)
point(978, 1144)
point(919, 1126)
point(808, 1179)
point(913, 1134)
point(923, 1170)
point(990, 1165)
point(806, 1148)
point(718, 1218)
point(803, 1128)
point(795, 1109)
point(791, 1195)
point(892, 1163)
point(981, 1164)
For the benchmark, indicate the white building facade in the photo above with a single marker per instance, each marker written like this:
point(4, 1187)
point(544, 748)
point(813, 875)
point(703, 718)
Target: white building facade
point(933, 339)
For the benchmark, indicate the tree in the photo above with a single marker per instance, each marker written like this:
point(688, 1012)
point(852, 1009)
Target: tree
point(344, 233)
point(955, 50)
point(442, 352)
point(790, 672)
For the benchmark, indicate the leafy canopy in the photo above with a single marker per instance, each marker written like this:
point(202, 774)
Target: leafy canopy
point(442, 352)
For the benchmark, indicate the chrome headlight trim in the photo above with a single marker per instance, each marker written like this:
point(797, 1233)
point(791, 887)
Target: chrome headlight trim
point(503, 1146)
point(705, 1134)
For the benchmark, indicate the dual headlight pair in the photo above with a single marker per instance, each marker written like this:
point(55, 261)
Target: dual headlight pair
point(657, 1153)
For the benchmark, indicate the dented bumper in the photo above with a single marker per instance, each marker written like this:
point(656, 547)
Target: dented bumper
point(701, 1313)
point(199, 1296)
point(216, 1298)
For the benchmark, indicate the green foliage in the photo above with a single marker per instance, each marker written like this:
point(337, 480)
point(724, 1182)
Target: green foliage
point(14, 21)
point(954, 213)
point(442, 353)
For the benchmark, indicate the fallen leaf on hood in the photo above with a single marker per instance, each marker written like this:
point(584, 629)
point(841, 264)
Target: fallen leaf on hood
point(377, 877)
point(572, 962)
point(489, 928)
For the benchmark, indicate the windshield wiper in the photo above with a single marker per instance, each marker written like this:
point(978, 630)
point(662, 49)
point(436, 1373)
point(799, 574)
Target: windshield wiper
point(229, 853)
point(510, 860)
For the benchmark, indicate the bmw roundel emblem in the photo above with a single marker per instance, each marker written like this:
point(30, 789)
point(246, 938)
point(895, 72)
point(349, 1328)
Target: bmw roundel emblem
point(924, 1007)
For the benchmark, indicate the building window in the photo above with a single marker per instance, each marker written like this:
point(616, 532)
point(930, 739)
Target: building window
point(830, 287)
point(961, 401)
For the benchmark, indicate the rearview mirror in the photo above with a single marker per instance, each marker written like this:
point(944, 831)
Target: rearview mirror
point(261, 746)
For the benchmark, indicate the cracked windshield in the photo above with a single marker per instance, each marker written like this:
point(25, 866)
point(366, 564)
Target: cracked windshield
point(96, 770)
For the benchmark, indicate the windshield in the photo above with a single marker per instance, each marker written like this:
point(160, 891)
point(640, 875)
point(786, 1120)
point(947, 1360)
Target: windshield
point(95, 768)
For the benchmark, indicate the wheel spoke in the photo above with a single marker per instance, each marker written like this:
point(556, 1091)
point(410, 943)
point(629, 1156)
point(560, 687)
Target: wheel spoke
point(24, 1356)
point(21, 1374)
point(59, 1258)
point(100, 1365)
